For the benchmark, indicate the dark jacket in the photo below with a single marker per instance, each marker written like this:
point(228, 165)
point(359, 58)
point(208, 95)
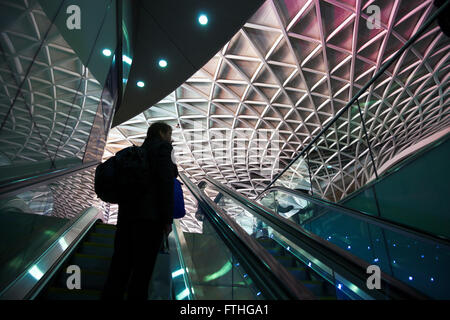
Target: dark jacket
point(156, 204)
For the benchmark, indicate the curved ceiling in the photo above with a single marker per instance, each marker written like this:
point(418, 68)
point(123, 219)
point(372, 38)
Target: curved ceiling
point(292, 66)
point(260, 99)
point(47, 112)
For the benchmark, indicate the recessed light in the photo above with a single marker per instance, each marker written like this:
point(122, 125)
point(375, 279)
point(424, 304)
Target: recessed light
point(203, 19)
point(140, 84)
point(162, 63)
point(106, 52)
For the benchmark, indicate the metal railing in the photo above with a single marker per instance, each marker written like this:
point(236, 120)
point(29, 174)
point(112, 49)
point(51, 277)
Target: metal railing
point(351, 267)
point(378, 221)
point(10, 188)
point(30, 282)
point(275, 282)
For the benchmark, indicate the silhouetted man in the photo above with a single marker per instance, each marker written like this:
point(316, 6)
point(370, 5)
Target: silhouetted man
point(143, 221)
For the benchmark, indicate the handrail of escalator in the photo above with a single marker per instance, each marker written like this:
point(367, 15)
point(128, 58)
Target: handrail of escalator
point(274, 281)
point(354, 268)
point(184, 260)
point(30, 282)
point(388, 224)
point(14, 186)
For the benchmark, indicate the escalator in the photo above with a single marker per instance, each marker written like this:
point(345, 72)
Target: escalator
point(254, 274)
point(326, 270)
point(93, 257)
point(416, 258)
point(271, 258)
point(321, 289)
point(231, 266)
point(408, 259)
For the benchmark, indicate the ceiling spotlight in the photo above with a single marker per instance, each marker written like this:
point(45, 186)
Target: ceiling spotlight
point(162, 63)
point(106, 52)
point(203, 19)
point(140, 84)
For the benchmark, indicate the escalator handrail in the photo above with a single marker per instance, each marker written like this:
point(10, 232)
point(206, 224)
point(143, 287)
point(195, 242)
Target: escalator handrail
point(271, 277)
point(10, 188)
point(26, 286)
point(185, 261)
point(341, 260)
point(379, 221)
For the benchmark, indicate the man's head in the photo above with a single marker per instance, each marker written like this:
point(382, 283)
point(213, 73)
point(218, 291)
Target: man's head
point(160, 130)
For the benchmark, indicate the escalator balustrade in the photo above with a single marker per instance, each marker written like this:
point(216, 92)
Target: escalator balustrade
point(321, 288)
point(93, 256)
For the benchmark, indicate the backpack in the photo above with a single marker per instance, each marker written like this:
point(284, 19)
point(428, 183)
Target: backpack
point(123, 176)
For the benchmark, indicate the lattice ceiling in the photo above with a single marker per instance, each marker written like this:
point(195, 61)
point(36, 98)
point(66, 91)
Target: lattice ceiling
point(291, 67)
point(287, 72)
point(50, 115)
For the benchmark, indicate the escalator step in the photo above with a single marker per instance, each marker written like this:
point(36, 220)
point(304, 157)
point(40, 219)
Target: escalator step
point(267, 242)
point(286, 261)
point(329, 289)
point(100, 238)
point(90, 280)
point(272, 248)
point(91, 262)
point(105, 229)
point(316, 287)
point(299, 273)
point(300, 264)
point(341, 295)
point(93, 256)
point(275, 252)
point(319, 287)
point(94, 248)
point(66, 294)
